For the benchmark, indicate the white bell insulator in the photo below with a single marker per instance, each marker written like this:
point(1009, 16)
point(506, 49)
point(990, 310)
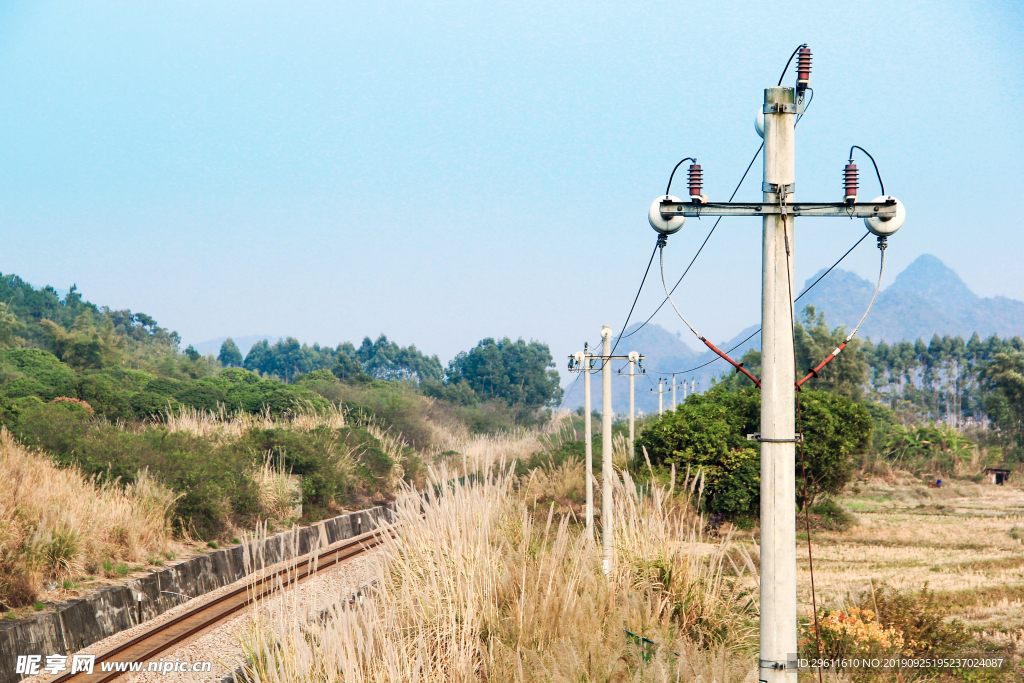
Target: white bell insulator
point(883, 227)
point(759, 123)
point(654, 217)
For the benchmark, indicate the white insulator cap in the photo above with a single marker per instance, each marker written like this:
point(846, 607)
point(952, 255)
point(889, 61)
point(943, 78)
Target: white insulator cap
point(665, 227)
point(759, 123)
point(634, 356)
point(883, 227)
point(578, 356)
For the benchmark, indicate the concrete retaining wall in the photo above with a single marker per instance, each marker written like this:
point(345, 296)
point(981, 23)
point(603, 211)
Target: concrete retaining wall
point(80, 623)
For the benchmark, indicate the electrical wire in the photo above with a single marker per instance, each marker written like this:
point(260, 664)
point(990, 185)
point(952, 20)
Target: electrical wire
point(800, 431)
point(739, 366)
point(813, 372)
point(731, 197)
point(637, 297)
point(872, 163)
point(669, 186)
point(790, 61)
point(753, 334)
point(712, 231)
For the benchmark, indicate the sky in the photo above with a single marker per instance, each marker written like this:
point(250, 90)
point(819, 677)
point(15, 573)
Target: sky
point(443, 172)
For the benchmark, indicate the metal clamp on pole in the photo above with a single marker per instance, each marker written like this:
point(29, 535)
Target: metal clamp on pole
point(787, 188)
point(799, 438)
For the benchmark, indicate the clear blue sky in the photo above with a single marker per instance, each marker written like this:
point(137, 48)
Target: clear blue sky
point(444, 172)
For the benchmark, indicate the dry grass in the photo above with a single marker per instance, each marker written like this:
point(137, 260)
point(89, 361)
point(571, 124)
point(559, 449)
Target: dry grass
point(223, 425)
point(957, 540)
point(55, 523)
point(474, 586)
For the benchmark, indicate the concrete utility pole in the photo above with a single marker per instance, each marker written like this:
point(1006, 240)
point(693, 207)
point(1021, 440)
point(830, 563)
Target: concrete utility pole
point(660, 392)
point(635, 359)
point(778, 437)
point(589, 441)
point(673, 392)
point(778, 381)
point(607, 522)
point(580, 362)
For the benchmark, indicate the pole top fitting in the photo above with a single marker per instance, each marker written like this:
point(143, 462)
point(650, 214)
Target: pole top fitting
point(606, 332)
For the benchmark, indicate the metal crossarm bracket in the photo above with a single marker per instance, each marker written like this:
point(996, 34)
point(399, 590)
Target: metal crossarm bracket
point(799, 438)
point(788, 188)
point(783, 108)
point(836, 210)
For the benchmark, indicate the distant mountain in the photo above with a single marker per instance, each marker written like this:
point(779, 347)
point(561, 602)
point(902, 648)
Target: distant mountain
point(928, 297)
point(212, 346)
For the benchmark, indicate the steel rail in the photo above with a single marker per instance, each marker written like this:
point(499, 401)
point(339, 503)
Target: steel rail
point(147, 645)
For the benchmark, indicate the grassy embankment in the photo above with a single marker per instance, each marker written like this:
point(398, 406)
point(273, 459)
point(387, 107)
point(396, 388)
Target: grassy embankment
point(86, 501)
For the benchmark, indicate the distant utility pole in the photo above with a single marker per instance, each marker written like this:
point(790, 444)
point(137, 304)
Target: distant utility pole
point(635, 360)
point(581, 362)
point(778, 437)
point(660, 392)
point(584, 363)
point(673, 391)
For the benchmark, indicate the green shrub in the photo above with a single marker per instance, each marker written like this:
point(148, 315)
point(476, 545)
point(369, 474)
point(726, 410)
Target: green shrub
point(885, 621)
point(34, 372)
point(707, 434)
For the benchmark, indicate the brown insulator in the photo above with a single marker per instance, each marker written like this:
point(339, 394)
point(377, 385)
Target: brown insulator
point(850, 181)
point(803, 67)
point(696, 179)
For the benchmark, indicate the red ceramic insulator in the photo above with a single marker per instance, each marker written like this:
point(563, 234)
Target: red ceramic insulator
point(803, 66)
point(850, 179)
point(696, 180)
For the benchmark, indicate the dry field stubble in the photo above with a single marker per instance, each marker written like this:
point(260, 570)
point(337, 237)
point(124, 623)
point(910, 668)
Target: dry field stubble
point(957, 539)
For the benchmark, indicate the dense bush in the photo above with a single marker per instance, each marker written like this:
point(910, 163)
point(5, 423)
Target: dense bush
point(708, 432)
point(213, 477)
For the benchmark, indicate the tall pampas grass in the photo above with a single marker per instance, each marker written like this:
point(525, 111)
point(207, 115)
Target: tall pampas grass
point(473, 585)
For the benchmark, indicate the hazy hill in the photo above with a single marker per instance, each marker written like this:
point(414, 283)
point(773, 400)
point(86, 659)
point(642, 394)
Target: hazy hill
point(928, 297)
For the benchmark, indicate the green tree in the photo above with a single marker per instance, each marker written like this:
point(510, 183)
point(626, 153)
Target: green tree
point(191, 353)
point(9, 324)
point(516, 372)
point(230, 356)
point(847, 373)
point(1003, 376)
point(708, 432)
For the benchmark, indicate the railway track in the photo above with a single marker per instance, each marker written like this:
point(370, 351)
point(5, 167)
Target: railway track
point(148, 646)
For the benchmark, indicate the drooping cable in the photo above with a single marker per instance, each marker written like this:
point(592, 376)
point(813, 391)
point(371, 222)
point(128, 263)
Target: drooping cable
point(668, 188)
point(813, 372)
point(790, 61)
point(668, 295)
point(877, 172)
point(731, 197)
point(800, 431)
point(637, 297)
point(710, 233)
point(753, 334)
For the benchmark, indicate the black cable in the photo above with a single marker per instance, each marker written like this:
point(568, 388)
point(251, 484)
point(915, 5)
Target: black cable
point(637, 298)
point(833, 266)
point(790, 61)
point(684, 372)
point(872, 162)
point(669, 187)
point(749, 166)
point(568, 391)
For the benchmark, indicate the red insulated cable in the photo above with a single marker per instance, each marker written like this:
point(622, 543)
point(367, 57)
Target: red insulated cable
point(739, 366)
point(815, 371)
